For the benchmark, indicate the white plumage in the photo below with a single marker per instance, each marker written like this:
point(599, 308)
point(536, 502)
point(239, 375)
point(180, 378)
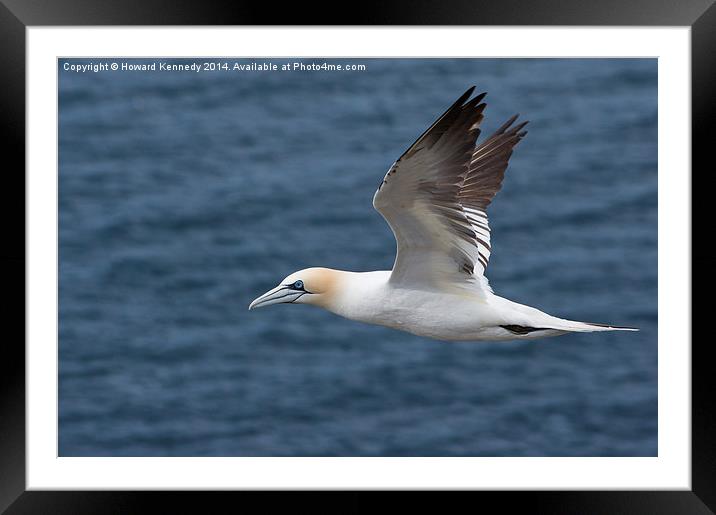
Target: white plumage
point(435, 199)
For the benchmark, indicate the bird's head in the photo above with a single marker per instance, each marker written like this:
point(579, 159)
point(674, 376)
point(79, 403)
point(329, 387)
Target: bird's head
point(316, 286)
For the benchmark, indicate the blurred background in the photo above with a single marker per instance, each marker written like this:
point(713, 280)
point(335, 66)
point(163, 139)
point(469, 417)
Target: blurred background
point(184, 195)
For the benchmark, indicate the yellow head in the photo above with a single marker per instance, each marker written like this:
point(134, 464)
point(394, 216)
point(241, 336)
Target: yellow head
point(317, 286)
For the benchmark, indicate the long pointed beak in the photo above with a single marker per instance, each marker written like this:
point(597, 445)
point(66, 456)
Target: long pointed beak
point(278, 295)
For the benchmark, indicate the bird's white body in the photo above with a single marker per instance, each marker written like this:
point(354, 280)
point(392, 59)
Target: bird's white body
point(464, 314)
point(435, 198)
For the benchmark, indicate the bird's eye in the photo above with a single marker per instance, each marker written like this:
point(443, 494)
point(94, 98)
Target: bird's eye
point(298, 285)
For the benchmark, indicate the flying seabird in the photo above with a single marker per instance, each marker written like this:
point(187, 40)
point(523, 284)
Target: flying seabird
point(434, 198)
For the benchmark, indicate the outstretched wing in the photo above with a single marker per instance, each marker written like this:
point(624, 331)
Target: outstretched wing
point(435, 196)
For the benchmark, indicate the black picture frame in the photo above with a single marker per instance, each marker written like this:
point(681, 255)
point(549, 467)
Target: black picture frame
point(17, 15)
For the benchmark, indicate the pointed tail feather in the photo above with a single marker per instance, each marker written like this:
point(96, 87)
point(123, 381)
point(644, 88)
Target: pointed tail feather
point(587, 327)
point(608, 327)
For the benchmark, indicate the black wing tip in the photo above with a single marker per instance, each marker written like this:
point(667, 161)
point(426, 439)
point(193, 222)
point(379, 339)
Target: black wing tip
point(503, 128)
point(510, 130)
point(466, 96)
point(462, 99)
point(517, 130)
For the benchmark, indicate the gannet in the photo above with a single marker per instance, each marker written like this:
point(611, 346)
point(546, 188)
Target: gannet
point(434, 198)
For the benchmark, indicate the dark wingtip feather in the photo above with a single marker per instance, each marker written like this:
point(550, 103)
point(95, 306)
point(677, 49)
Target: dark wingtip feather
point(440, 125)
point(507, 124)
point(463, 100)
point(517, 128)
point(465, 96)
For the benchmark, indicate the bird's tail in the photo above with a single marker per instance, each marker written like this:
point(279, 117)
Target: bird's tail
point(586, 327)
point(528, 321)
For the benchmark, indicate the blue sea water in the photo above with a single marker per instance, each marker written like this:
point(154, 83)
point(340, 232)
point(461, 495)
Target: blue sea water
point(184, 195)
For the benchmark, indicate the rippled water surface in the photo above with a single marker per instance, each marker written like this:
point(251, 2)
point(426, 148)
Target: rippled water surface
point(184, 195)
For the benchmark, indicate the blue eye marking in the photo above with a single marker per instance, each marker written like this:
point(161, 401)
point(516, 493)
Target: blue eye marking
point(298, 285)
